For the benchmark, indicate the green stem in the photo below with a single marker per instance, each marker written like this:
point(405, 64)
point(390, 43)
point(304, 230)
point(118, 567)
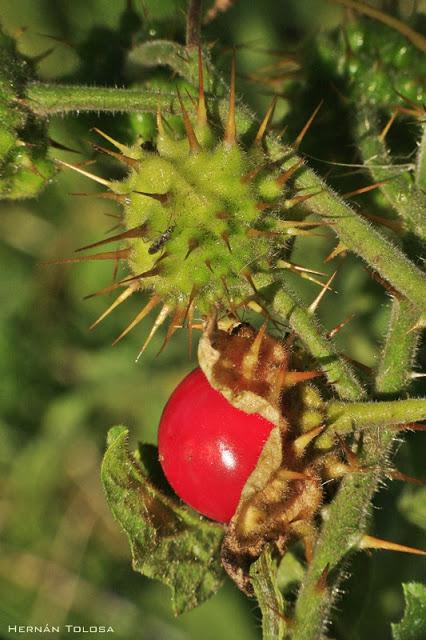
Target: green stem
point(338, 372)
point(49, 99)
point(421, 161)
point(344, 417)
point(359, 236)
point(263, 573)
point(395, 366)
point(347, 515)
point(399, 188)
point(193, 23)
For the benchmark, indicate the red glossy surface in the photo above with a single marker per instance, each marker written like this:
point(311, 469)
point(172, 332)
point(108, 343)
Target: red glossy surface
point(207, 447)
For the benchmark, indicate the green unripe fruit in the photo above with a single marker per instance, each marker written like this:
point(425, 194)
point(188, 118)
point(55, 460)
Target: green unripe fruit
point(208, 219)
point(203, 214)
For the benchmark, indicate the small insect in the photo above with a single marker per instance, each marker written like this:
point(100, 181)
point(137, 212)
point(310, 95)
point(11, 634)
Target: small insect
point(160, 241)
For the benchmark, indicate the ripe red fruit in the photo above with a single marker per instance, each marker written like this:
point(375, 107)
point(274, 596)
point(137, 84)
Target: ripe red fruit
point(207, 447)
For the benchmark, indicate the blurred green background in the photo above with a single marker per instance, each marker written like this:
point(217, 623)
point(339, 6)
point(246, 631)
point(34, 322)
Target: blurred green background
point(63, 559)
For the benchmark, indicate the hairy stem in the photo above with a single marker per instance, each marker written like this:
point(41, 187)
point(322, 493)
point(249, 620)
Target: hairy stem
point(347, 515)
point(395, 366)
point(49, 99)
point(193, 23)
point(288, 307)
point(264, 579)
point(344, 417)
point(360, 237)
point(420, 175)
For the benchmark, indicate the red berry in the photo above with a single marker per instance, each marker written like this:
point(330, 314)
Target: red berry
point(207, 447)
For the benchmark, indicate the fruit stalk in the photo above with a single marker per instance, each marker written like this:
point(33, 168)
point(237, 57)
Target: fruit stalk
point(344, 417)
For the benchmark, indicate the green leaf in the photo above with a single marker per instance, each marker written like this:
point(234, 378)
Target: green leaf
point(263, 573)
point(413, 624)
point(168, 541)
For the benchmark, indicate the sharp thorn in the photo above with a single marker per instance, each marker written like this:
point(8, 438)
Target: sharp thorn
point(154, 300)
point(190, 301)
point(121, 147)
point(403, 477)
point(339, 327)
point(130, 162)
point(253, 352)
point(172, 328)
point(136, 232)
point(292, 202)
point(230, 137)
point(307, 126)
point(338, 249)
point(121, 298)
point(314, 305)
point(264, 124)
point(287, 173)
point(296, 267)
point(294, 377)
point(194, 145)
point(120, 254)
point(165, 310)
point(201, 107)
point(112, 287)
point(361, 190)
point(384, 132)
point(369, 542)
point(92, 176)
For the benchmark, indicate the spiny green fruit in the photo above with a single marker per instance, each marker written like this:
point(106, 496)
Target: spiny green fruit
point(202, 214)
point(24, 164)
